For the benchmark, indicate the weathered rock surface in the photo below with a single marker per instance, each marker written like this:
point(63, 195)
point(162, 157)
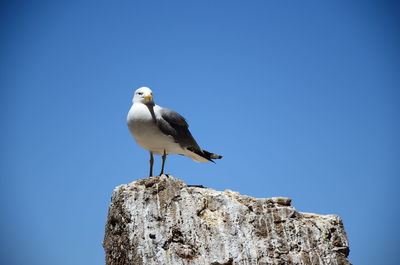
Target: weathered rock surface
point(161, 220)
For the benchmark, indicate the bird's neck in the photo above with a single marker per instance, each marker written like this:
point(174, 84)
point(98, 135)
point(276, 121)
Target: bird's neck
point(140, 111)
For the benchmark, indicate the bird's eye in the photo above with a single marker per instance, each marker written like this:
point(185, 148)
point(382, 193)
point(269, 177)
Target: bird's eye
point(140, 93)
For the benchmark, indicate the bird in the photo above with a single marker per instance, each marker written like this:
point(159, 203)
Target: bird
point(162, 131)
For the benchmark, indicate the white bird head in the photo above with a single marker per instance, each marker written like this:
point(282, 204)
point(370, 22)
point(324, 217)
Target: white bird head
point(143, 95)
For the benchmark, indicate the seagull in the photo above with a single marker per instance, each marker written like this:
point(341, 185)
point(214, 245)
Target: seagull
point(162, 131)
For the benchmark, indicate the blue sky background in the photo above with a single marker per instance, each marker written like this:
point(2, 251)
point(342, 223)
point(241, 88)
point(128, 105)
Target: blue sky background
point(301, 98)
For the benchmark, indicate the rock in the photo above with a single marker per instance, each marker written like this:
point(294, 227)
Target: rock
point(161, 220)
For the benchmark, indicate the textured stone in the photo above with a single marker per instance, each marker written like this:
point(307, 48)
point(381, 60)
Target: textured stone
point(161, 220)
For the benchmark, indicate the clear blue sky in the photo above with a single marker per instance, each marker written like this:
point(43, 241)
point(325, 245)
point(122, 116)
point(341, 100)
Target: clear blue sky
point(300, 97)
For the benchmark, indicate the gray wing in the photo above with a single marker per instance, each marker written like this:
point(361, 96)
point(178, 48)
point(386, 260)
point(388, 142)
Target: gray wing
point(172, 123)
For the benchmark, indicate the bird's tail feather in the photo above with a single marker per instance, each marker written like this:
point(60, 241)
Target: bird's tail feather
point(209, 155)
point(205, 154)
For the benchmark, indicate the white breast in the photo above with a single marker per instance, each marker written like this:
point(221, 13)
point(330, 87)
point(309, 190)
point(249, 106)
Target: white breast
point(144, 130)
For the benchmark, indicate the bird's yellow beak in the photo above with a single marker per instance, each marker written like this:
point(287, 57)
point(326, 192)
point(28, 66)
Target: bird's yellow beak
point(149, 97)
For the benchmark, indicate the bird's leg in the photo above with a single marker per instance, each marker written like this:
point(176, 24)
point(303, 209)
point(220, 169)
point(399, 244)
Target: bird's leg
point(164, 157)
point(151, 164)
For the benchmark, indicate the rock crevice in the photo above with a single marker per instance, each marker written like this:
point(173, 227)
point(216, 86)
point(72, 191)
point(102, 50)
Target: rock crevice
point(161, 220)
